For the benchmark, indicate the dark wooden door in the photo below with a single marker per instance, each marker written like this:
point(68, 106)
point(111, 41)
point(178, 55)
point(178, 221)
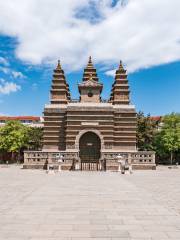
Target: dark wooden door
point(90, 147)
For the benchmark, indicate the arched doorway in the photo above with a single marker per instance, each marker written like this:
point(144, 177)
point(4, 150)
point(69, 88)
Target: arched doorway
point(89, 151)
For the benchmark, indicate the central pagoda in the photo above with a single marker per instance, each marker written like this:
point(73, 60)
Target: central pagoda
point(90, 89)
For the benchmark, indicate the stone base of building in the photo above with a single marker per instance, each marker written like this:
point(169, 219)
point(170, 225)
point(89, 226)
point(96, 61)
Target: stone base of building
point(144, 167)
point(71, 161)
point(44, 167)
point(34, 166)
point(109, 168)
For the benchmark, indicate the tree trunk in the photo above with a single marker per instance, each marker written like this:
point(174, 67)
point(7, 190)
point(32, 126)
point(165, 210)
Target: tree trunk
point(18, 158)
point(12, 157)
point(171, 157)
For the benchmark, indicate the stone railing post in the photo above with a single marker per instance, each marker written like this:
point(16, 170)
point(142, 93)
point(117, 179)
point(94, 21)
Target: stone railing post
point(129, 159)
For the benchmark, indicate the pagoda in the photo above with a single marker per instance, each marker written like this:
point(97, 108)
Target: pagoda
point(54, 121)
point(59, 89)
point(90, 89)
point(90, 71)
point(120, 88)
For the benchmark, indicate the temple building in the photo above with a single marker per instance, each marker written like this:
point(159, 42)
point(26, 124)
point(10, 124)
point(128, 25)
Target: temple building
point(89, 133)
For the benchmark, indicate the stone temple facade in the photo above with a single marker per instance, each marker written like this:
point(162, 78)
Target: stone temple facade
point(89, 133)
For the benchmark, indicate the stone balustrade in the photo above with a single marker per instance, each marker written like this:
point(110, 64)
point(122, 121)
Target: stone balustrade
point(40, 159)
point(138, 160)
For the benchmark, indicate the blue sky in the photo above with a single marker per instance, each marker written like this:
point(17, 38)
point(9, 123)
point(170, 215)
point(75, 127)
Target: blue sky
point(32, 41)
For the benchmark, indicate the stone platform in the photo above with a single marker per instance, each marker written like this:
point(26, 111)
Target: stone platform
point(89, 205)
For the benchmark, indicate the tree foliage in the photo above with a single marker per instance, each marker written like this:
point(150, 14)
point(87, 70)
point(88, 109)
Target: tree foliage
point(168, 139)
point(35, 138)
point(13, 136)
point(16, 137)
point(163, 137)
point(146, 130)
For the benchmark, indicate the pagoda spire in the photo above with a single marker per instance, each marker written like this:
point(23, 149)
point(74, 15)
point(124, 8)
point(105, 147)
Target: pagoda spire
point(60, 93)
point(90, 64)
point(59, 65)
point(120, 88)
point(90, 71)
point(121, 67)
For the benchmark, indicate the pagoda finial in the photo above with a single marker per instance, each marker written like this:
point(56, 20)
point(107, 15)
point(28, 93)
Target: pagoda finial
point(90, 64)
point(90, 59)
point(121, 65)
point(58, 65)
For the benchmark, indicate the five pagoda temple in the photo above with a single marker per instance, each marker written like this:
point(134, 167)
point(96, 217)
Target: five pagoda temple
point(89, 133)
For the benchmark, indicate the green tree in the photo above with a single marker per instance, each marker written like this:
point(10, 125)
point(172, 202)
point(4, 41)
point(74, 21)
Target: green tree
point(13, 137)
point(35, 135)
point(170, 134)
point(146, 130)
point(161, 152)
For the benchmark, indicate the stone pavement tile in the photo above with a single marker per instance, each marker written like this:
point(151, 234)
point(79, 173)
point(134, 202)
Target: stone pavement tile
point(35, 238)
point(156, 228)
point(126, 227)
point(144, 238)
point(90, 216)
point(147, 234)
point(90, 227)
point(97, 238)
point(72, 233)
point(21, 233)
point(137, 222)
point(14, 238)
point(110, 234)
point(18, 226)
point(56, 227)
point(74, 238)
point(154, 238)
point(151, 218)
point(132, 213)
point(51, 238)
point(173, 234)
point(100, 221)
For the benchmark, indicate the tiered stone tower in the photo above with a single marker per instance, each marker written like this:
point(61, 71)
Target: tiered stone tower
point(124, 114)
point(59, 89)
point(54, 119)
point(90, 71)
point(90, 89)
point(120, 89)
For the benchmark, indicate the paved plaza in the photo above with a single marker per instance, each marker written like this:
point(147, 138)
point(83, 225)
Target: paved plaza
point(89, 205)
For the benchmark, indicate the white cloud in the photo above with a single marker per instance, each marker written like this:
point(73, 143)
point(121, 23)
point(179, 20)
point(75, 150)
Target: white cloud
point(34, 86)
point(5, 70)
point(16, 74)
point(8, 87)
point(110, 73)
point(4, 61)
point(2, 80)
point(12, 73)
point(143, 33)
